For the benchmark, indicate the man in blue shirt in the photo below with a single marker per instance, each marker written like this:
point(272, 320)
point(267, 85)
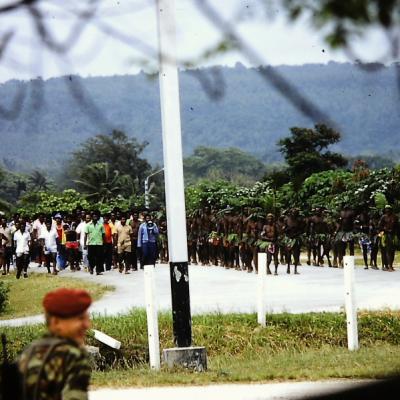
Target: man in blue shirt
point(147, 241)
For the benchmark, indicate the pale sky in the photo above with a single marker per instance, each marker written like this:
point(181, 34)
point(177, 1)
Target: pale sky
point(122, 38)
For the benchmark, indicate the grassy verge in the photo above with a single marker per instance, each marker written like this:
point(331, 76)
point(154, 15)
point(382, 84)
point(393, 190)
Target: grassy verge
point(314, 364)
point(292, 347)
point(26, 295)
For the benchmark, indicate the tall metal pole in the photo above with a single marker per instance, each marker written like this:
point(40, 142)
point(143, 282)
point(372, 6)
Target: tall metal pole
point(173, 168)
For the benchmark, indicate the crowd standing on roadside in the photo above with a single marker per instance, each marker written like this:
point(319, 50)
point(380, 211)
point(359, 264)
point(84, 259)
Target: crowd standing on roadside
point(231, 238)
point(81, 239)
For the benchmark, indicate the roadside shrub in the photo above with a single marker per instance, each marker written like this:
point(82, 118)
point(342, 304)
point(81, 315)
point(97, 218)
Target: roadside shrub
point(4, 290)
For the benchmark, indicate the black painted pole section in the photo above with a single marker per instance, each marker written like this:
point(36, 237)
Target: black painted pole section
point(182, 320)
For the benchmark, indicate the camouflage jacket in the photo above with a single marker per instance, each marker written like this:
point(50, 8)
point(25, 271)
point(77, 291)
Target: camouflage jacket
point(55, 369)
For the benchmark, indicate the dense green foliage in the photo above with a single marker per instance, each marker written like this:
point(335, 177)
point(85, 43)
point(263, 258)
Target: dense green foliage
point(251, 114)
point(69, 199)
point(221, 194)
point(12, 186)
point(49, 202)
point(331, 189)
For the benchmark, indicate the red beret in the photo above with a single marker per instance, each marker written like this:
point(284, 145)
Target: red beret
point(66, 302)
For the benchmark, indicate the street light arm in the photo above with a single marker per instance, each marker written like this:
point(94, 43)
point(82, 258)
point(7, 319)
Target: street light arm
point(154, 173)
point(146, 187)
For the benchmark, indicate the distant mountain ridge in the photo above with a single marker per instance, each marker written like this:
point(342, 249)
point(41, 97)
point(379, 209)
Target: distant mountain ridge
point(246, 111)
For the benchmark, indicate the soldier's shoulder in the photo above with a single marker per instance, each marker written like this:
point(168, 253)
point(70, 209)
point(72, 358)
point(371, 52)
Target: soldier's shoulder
point(68, 352)
point(59, 347)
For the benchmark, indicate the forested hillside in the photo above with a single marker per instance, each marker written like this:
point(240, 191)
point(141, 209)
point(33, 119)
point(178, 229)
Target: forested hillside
point(58, 114)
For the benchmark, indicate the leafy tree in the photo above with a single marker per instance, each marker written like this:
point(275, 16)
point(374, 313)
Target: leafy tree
point(305, 155)
point(232, 164)
point(118, 151)
point(38, 181)
point(99, 184)
point(12, 186)
point(277, 177)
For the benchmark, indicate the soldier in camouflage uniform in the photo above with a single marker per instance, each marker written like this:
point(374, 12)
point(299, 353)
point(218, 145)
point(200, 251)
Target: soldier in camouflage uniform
point(57, 367)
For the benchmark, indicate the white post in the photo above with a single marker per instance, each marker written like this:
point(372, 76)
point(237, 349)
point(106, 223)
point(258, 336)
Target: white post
point(351, 308)
point(152, 317)
point(171, 130)
point(261, 286)
point(173, 174)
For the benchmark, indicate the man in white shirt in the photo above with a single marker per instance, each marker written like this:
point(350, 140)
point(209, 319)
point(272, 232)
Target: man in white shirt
point(48, 240)
point(80, 230)
point(37, 250)
point(22, 240)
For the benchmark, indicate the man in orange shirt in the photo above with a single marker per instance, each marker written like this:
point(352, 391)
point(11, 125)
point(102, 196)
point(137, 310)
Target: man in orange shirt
point(108, 242)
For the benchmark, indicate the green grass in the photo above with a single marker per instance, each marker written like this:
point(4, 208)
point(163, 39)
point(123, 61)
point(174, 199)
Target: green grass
point(312, 364)
point(26, 295)
point(292, 347)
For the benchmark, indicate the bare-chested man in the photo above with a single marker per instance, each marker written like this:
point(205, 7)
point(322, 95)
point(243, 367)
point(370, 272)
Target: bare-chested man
point(237, 231)
point(192, 233)
point(163, 240)
point(374, 238)
point(344, 235)
point(227, 238)
point(254, 228)
point(244, 249)
point(269, 234)
point(388, 225)
point(311, 240)
point(320, 240)
point(293, 229)
point(134, 223)
point(215, 238)
point(361, 225)
point(204, 222)
point(280, 225)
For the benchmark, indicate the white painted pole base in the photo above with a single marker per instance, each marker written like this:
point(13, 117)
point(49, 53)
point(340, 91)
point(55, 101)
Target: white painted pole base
point(350, 302)
point(261, 287)
point(152, 317)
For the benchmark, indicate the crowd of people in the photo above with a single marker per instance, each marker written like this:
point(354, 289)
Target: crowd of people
point(80, 239)
point(230, 238)
point(234, 239)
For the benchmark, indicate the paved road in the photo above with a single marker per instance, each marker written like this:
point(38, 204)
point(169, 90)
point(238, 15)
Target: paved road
point(271, 391)
point(215, 289)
